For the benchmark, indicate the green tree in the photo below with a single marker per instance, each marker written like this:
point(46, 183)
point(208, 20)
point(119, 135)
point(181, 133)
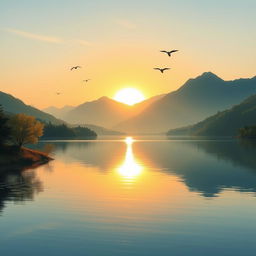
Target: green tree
point(25, 129)
point(4, 129)
point(248, 132)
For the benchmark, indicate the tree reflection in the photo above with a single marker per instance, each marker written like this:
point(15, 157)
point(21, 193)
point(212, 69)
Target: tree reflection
point(204, 166)
point(18, 186)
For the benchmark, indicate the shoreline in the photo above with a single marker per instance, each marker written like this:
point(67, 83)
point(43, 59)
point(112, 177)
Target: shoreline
point(13, 159)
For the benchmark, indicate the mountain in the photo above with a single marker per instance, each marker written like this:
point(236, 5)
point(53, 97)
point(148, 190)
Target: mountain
point(197, 99)
point(105, 112)
point(139, 107)
point(13, 105)
point(58, 112)
point(102, 112)
point(225, 123)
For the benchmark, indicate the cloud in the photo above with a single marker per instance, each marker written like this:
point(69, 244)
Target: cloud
point(49, 39)
point(33, 36)
point(126, 23)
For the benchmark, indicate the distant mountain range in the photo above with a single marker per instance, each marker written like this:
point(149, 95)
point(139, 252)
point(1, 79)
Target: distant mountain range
point(58, 112)
point(101, 112)
point(13, 105)
point(225, 123)
point(197, 99)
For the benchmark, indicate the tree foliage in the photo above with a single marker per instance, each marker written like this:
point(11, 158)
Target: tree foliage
point(83, 132)
point(63, 131)
point(25, 129)
point(4, 129)
point(248, 132)
point(58, 131)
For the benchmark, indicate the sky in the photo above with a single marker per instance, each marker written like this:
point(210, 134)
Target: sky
point(117, 43)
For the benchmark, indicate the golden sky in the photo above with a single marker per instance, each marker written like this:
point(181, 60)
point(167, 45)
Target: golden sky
point(117, 43)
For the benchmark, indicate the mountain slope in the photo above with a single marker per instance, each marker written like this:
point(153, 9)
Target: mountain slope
point(225, 123)
point(58, 112)
point(195, 100)
point(101, 112)
point(13, 105)
point(105, 112)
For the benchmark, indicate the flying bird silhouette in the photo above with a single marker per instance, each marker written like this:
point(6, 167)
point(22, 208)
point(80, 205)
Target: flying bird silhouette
point(75, 67)
point(169, 53)
point(87, 80)
point(162, 69)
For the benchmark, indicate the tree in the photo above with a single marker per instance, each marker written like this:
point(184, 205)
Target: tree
point(58, 131)
point(84, 132)
point(25, 129)
point(63, 131)
point(248, 132)
point(4, 129)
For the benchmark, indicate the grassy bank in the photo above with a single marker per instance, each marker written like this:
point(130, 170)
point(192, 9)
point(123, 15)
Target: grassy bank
point(14, 158)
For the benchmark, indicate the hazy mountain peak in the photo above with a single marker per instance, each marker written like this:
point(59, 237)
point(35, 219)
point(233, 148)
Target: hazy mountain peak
point(205, 81)
point(208, 75)
point(106, 112)
point(103, 98)
point(58, 112)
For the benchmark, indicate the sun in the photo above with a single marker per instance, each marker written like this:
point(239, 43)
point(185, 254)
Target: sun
point(129, 96)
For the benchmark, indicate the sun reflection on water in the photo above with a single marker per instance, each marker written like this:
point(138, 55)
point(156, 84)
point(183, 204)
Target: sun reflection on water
point(130, 168)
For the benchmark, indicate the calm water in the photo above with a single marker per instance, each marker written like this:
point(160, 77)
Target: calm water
point(124, 197)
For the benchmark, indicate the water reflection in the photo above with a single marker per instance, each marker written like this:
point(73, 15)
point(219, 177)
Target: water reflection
point(18, 186)
point(204, 166)
point(130, 168)
point(135, 198)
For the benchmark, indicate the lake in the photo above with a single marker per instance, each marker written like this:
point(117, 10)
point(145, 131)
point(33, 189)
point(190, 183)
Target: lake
point(133, 196)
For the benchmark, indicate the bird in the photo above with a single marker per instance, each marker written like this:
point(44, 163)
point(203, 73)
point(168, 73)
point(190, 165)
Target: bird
point(169, 53)
point(87, 80)
point(162, 69)
point(75, 67)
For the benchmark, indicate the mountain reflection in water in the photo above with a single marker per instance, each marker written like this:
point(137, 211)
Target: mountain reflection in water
point(133, 196)
point(205, 166)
